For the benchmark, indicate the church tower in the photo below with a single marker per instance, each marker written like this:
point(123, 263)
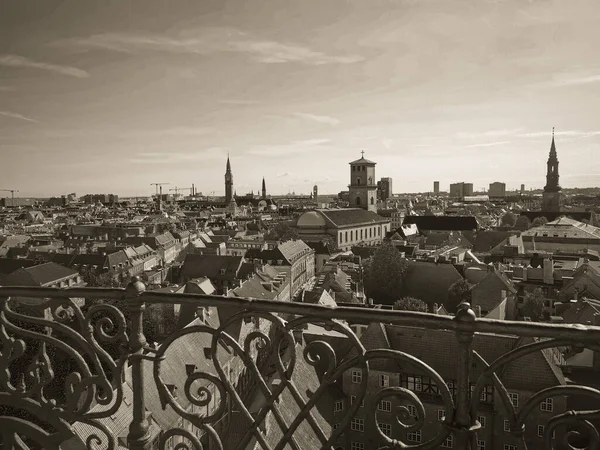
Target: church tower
point(264, 189)
point(552, 196)
point(228, 182)
point(363, 187)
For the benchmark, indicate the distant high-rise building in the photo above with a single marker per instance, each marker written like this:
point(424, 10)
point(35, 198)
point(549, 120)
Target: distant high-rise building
point(461, 190)
point(522, 188)
point(551, 201)
point(384, 188)
point(436, 187)
point(315, 192)
point(228, 182)
point(497, 190)
point(363, 188)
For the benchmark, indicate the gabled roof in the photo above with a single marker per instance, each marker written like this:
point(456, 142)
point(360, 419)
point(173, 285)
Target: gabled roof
point(211, 266)
point(40, 275)
point(351, 216)
point(363, 160)
point(442, 223)
point(9, 265)
point(485, 241)
point(429, 281)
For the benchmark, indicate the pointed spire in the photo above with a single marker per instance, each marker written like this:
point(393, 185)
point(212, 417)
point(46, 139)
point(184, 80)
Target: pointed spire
point(228, 163)
point(553, 146)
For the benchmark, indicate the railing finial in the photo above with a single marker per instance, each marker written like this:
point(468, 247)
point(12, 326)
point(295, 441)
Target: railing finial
point(135, 287)
point(465, 313)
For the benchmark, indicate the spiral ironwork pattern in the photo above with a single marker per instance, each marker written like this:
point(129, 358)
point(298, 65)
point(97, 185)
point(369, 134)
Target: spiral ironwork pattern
point(268, 375)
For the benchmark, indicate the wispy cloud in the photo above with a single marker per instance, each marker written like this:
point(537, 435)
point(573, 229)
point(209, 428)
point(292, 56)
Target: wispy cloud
point(321, 119)
point(567, 133)
point(487, 134)
point(294, 147)
point(237, 102)
point(487, 144)
point(176, 157)
point(282, 175)
point(572, 81)
point(22, 62)
point(18, 116)
point(212, 40)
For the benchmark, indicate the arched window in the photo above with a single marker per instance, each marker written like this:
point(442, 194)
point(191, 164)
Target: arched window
point(358, 181)
point(346, 240)
point(358, 199)
point(361, 235)
point(372, 200)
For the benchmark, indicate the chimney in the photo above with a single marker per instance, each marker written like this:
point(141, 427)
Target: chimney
point(435, 308)
point(477, 311)
point(548, 271)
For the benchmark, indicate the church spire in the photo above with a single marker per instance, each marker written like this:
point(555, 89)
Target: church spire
point(552, 196)
point(264, 189)
point(228, 182)
point(553, 147)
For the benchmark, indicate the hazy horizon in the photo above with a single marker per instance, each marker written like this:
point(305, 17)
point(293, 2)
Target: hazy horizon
point(102, 97)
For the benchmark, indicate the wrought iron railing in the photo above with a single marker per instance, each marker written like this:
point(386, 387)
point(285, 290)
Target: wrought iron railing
point(80, 374)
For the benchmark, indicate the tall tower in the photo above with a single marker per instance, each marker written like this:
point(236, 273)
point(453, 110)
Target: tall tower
point(363, 187)
point(228, 182)
point(264, 189)
point(552, 196)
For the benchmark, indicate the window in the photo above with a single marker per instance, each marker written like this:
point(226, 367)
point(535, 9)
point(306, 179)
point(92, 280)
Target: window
point(506, 426)
point(541, 429)
point(481, 420)
point(346, 236)
point(336, 426)
point(412, 410)
point(353, 400)
point(357, 446)
point(509, 447)
point(357, 424)
point(384, 380)
point(356, 376)
point(414, 437)
point(386, 429)
point(385, 406)
point(338, 406)
point(480, 445)
point(449, 442)
point(441, 414)
point(547, 405)
point(514, 398)
point(414, 383)
point(361, 233)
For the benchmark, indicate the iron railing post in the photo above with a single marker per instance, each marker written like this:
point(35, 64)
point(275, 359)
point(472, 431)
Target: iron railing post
point(139, 436)
point(462, 418)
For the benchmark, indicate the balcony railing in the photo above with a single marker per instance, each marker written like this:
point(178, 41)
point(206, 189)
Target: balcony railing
point(77, 374)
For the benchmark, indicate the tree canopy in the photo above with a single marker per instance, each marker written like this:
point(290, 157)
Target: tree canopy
point(410, 304)
point(509, 219)
point(539, 221)
point(523, 222)
point(282, 232)
point(533, 305)
point(458, 292)
point(384, 274)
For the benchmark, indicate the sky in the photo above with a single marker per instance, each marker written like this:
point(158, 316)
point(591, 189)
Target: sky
point(110, 96)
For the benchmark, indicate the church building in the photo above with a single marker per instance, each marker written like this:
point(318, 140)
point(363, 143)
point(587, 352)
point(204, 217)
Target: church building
point(552, 200)
point(363, 187)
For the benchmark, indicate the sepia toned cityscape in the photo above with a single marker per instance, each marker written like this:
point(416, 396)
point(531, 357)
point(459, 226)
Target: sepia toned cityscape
point(298, 225)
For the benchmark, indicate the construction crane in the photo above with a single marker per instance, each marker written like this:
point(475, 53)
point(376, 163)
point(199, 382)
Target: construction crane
point(176, 189)
point(157, 187)
point(12, 193)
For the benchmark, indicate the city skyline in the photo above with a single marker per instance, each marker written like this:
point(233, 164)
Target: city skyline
point(113, 98)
